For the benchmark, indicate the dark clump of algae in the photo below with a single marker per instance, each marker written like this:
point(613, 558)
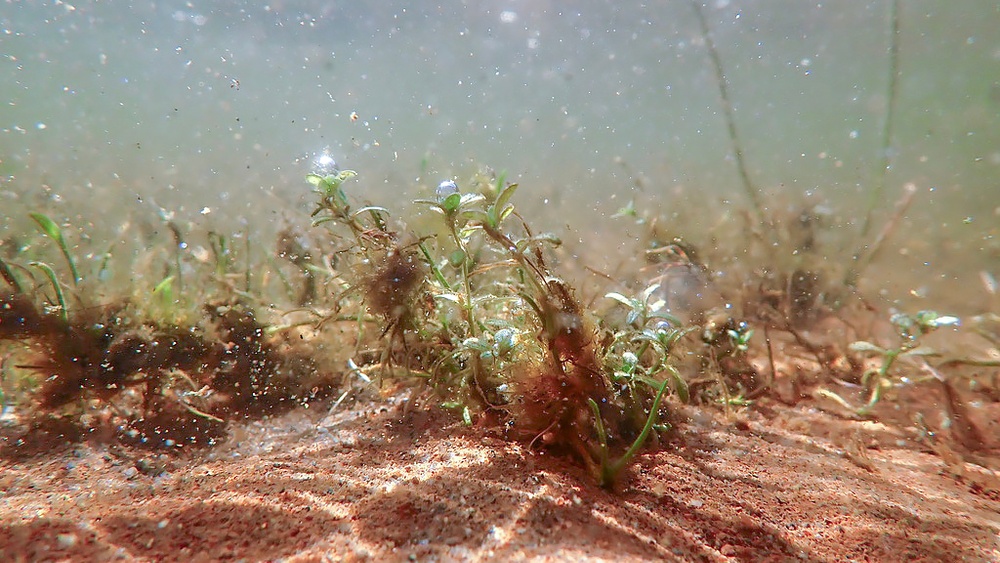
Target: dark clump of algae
point(479, 312)
point(594, 346)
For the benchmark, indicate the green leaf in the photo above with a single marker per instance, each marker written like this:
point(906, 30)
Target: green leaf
point(47, 226)
point(322, 220)
point(49, 273)
point(921, 351)
point(609, 473)
point(370, 208)
point(316, 180)
point(827, 394)
point(864, 346)
point(469, 199)
point(434, 205)
point(451, 203)
point(621, 299)
point(164, 285)
point(491, 217)
point(504, 213)
point(633, 316)
point(504, 197)
point(550, 238)
point(52, 230)
point(500, 181)
point(456, 258)
point(329, 185)
point(433, 265)
point(476, 215)
point(164, 292)
point(680, 386)
point(628, 211)
point(9, 277)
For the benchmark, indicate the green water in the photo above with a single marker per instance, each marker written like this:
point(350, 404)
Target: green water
point(212, 113)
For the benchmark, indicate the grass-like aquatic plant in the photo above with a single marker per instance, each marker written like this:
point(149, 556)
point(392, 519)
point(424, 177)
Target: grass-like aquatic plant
point(56, 287)
point(8, 276)
point(611, 470)
point(50, 229)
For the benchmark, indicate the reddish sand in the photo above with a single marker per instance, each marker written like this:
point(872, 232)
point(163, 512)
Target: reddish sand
point(391, 483)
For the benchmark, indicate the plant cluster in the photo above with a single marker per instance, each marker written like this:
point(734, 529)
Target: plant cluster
point(881, 377)
point(464, 304)
point(474, 309)
point(135, 373)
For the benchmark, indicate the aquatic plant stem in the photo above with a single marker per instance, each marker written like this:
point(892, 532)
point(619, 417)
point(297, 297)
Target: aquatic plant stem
point(864, 259)
point(60, 298)
point(9, 277)
point(178, 247)
point(434, 267)
point(610, 471)
point(753, 194)
point(878, 190)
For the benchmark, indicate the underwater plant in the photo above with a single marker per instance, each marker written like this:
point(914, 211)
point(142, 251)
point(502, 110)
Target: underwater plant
point(135, 371)
point(50, 229)
point(480, 316)
point(470, 310)
point(879, 379)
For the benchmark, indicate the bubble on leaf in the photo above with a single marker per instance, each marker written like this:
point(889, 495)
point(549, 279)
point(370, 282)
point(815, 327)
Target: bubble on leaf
point(324, 164)
point(446, 188)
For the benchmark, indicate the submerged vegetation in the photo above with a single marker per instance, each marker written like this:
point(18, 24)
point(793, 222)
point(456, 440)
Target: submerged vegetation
point(465, 305)
point(474, 310)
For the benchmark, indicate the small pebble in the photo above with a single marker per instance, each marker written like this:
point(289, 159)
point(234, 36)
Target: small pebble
point(152, 467)
point(66, 541)
point(130, 472)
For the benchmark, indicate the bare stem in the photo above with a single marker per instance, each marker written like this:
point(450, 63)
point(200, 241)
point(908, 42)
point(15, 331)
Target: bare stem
point(862, 259)
point(878, 189)
point(727, 110)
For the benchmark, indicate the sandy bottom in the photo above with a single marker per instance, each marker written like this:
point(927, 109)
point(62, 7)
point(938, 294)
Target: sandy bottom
point(388, 483)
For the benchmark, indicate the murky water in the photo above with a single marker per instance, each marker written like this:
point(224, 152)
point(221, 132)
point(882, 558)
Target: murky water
point(215, 111)
point(772, 148)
